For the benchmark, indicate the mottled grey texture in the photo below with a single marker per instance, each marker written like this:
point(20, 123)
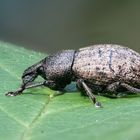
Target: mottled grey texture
point(57, 67)
point(106, 69)
point(106, 63)
point(98, 65)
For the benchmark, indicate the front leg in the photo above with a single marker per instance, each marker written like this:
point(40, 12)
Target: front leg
point(24, 87)
point(15, 93)
point(29, 75)
point(50, 84)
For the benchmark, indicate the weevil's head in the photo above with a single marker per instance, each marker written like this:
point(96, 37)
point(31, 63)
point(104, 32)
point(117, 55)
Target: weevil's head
point(56, 67)
point(31, 73)
point(28, 75)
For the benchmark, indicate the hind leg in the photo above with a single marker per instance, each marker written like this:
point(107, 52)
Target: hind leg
point(130, 88)
point(114, 89)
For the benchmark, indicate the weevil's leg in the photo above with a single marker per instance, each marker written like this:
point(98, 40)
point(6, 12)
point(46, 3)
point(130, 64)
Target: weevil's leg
point(59, 92)
point(24, 87)
point(55, 86)
point(89, 93)
point(113, 87)
point(34, 85)
point(81, 89)
point(29, 75)
point(130, 88)
point(122, 94)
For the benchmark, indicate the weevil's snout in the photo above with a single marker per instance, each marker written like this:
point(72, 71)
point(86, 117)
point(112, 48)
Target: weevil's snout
point(32, 72)
point(28, 76)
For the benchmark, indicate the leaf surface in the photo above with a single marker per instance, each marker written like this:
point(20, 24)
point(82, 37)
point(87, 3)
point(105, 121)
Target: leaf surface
point(35, 115)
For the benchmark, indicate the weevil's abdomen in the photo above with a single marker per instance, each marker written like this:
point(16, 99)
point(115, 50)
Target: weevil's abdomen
point(104, 64)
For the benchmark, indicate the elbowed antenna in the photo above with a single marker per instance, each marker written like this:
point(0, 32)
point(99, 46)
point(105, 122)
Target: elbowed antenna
point(29, 75)
point(32, 72)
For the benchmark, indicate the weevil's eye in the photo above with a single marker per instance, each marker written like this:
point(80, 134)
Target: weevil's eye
point(26, 78)
point(40, 69)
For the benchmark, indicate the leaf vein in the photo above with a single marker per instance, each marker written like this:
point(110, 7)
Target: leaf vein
point(13, 117)
point(27, 131)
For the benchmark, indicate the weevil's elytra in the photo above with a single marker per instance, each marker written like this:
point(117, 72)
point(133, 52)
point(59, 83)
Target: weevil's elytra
point(105, 69)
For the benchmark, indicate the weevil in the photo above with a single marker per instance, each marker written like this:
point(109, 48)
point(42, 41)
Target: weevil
point(105, 69)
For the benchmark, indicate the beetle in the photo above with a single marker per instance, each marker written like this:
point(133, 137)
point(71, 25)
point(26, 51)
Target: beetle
point(105, 69)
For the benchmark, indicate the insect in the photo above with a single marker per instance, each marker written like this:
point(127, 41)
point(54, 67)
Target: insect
point(105, 69)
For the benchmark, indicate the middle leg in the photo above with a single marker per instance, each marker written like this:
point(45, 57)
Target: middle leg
point(83, 86)
point(113, 90)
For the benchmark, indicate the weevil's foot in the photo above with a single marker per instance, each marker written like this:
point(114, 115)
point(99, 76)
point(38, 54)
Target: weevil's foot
point(98, 105)
point(121, 95)
point(57, 93)
point(60, 92)
point(12, 93)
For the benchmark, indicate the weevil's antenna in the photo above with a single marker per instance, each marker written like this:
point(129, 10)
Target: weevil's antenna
point(29, 75)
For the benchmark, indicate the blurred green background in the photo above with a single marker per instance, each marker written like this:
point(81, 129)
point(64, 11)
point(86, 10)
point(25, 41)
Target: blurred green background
point(51, 25)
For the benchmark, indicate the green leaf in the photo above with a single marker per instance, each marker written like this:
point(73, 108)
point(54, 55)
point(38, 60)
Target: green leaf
point(36, 115)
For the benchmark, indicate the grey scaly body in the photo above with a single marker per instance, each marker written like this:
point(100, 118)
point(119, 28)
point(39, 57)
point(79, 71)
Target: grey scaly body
point(106, 69)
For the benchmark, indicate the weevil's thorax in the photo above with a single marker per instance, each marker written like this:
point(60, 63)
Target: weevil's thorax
point(58, 67)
